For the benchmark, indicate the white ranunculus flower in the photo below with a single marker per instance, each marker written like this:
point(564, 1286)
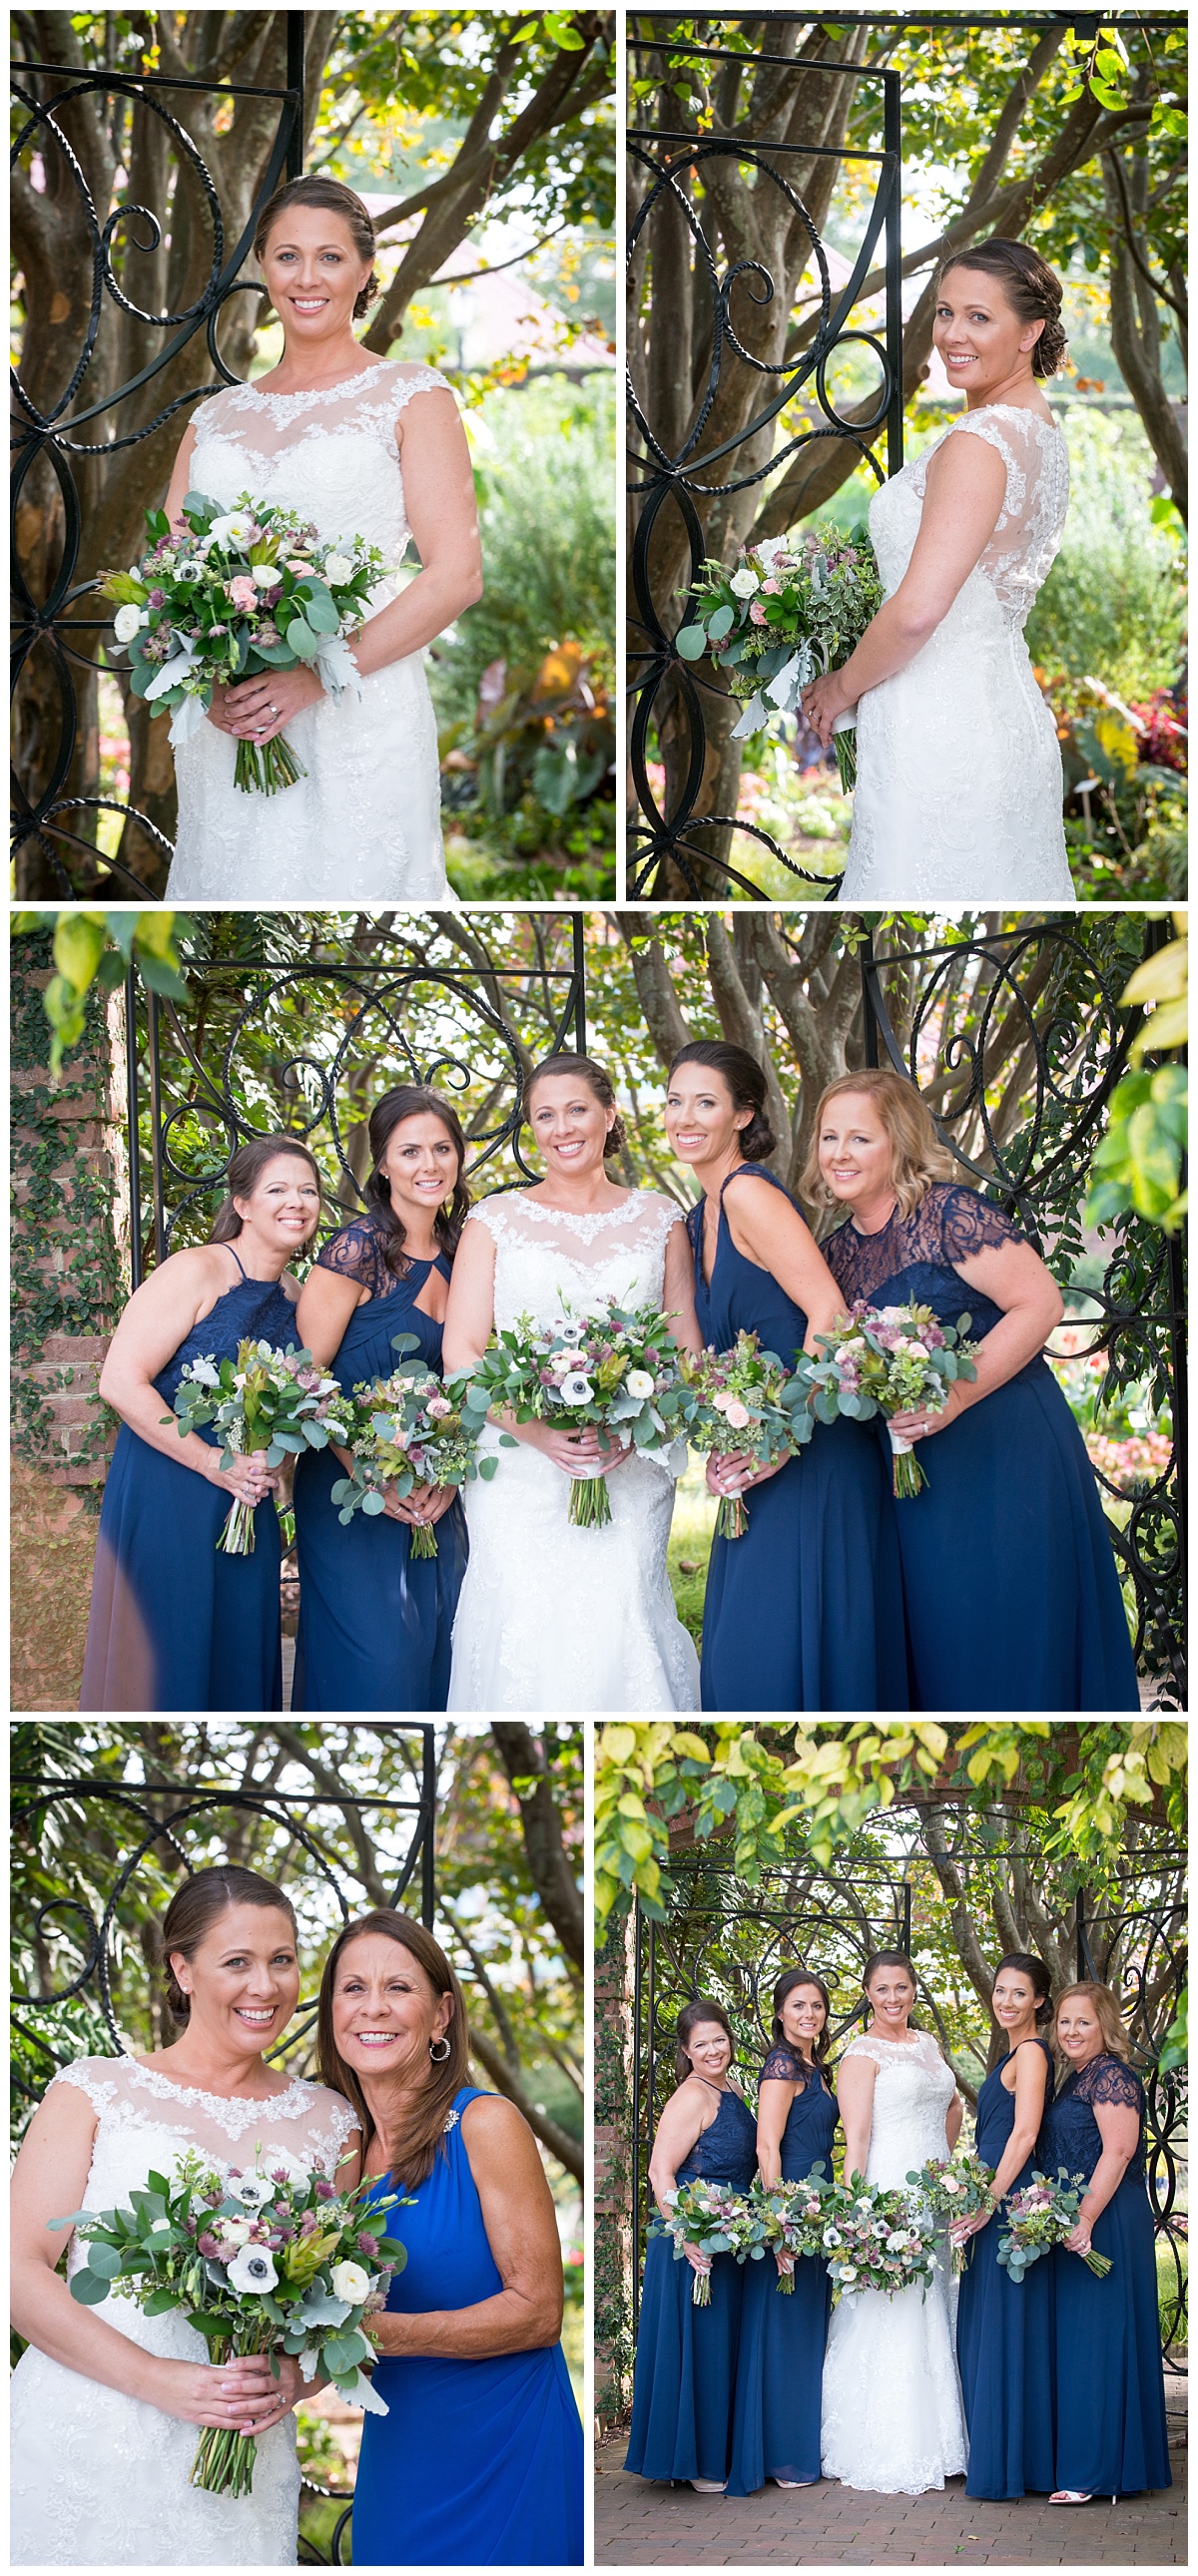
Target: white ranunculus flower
point(560, 1362)
point(338, 568)
point(252, 2190)
point(576, 1390)
point(265, 575)
point(232, 2231)
point(349, 2281)
point(744, 583)
point(126, 622)
point(252, 2269)
point(639, 1383)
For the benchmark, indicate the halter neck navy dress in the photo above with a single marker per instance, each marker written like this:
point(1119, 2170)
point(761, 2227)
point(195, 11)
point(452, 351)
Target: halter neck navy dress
point(374, 1621)
point(476, 2463)
point(684, 2383)
point(780, 2362)
point(175, 1623)
point(1004, 2329)
point(1013, 1600)
point(804, 1610)
point(1112, 2437)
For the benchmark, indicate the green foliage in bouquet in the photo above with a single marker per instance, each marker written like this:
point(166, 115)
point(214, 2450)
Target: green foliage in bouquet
point(794, 608)
point(617, 1368)
point(409, 1430)
point(746, 1398)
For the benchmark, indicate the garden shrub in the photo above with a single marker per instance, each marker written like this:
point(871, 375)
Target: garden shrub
point(1114, 602)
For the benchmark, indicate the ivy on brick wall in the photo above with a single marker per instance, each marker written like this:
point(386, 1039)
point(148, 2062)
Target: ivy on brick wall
point(64, 1269)
point(614, 2346)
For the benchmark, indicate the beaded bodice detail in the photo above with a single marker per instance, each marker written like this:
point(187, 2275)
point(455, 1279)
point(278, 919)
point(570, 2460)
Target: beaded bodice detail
point(1018, 556)
point(727, 2149)
point(548, 1258)
point(915, 1256)
point(1071, 2135)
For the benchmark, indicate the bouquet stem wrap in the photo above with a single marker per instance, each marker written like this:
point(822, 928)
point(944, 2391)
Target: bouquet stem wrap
point(224, 2462)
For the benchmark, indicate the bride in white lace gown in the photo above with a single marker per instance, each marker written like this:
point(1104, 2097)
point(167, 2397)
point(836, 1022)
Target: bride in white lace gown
point(107, 2403)
point(549, 1616)
point(893, 2421)
point(358, 446)
point(959, 784)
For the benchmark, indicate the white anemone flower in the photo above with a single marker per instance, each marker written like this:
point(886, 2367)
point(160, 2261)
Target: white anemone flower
point(576, 1389)
point(252, 2269)
point(349, 2281)
point(252, 2190)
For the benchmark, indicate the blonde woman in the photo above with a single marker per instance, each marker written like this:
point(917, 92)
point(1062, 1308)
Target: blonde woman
point(1012, 1598)
point(1109, 2412)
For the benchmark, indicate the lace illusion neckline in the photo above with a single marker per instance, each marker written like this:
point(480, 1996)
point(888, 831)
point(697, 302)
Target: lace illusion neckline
point(325, 394)
point(223, 2106)
point(1022, 410)
point(587, 1222)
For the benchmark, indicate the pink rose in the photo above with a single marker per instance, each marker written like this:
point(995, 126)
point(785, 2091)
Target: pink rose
point(439, 1406)
point(757, 613)
point(243, 592)
point(734, 1414)
point(772, 588)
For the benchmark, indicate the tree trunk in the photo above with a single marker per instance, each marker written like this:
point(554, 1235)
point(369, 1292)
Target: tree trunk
point(1135, 319)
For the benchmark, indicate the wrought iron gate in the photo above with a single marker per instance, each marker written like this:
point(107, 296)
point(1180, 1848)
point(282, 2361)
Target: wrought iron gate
point(724, 1940)
point(49, 823)
point(662, 682)
point(190, 1100)
point(952, 1001)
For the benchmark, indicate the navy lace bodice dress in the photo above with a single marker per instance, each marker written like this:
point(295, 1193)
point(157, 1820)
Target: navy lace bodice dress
point(175, 1623)
point(1012, 1598)
point(374, 1621)
point(803, 1611)
point(1111, 2434)
point(683, 2388)
point(1004, 2329)
point(780, 2364)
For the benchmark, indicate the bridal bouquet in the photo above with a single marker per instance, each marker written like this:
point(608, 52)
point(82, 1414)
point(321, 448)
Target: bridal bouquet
point(1040, 2216)
point(408, 1430)
point(888, 1360)
point(875, 2240)
point(794, 608)
point(718, 2220)
point(278, 2262)
point(954, 2187)
point(265, 1400)
point(618, 1367)
point(227, 594)
point(747, 1399)
point(793, 2216)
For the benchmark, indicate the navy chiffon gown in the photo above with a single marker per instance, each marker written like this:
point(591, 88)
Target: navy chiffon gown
point(1012, 1598)
point(374, 1621)
point(685, 2379)
point(476, 2463)
point(175, 1623)
point(780, 2364)
point(1111, 2434)
point(805, 1609)
point(1004, 2330)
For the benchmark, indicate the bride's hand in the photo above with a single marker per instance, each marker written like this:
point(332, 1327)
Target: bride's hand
point(231, 2396)
point(822, 702)
point(259, 708)
point(218, 712)
point(578, 1453)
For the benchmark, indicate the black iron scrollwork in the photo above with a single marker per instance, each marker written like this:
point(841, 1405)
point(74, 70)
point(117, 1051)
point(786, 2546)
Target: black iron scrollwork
point(661, 682)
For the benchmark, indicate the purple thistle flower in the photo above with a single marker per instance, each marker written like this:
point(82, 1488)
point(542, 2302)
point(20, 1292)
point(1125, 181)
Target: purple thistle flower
point(208, 2245)
point(367, 2244)
point(280, 2174)
point(324, 2190)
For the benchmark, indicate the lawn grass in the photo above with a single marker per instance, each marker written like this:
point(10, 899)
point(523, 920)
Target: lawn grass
point(691, 1532)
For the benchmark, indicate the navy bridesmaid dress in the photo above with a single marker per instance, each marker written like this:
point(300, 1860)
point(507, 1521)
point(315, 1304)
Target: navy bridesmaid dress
point(1111, 2434)
point(1004, 2329)
point(1010, 1512)
point(175, 1623)
point(805, 1609)
point(374, 1621)
point(685, 2379)
point(780, 2365)
point(476, 2463)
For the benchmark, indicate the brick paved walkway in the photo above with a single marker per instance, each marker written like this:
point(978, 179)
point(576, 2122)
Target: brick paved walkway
point(643, 2525)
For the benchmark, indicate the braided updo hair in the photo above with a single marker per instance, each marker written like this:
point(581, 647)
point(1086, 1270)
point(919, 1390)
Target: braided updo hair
point(336, 199)
point(1031, 287)
point(199, 1904)
point(745, 1082)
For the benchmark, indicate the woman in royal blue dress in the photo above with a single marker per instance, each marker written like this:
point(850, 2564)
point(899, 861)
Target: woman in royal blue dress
point(1004, 2328)
point(1111, 2435)
point(804, 1610)
point(684, 2384)
point(780, 2365)
point(375, 1621)
point(478, 2461)
point(175, 1622)
point(1011, 1513)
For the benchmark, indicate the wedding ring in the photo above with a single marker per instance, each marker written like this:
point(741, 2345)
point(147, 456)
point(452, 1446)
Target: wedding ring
point(274, 710)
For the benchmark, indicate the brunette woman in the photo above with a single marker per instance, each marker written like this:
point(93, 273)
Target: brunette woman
point(375, 1621)
point(175, 1622)
point(1004, 2332)
point(685, 2381)
point(780, 2364)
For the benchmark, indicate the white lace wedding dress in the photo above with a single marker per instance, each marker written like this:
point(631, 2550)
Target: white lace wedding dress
point(959, 785)
point(892, 2416)
point(364, 824)
point(99, 2479)
point(552, 1617)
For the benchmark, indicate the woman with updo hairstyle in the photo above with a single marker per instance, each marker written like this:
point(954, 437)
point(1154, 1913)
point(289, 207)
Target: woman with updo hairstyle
point(108, 2400)
point(553, 1616)
point(684, 2387)
point(959, 789)
point(175, 1622)
point(780, 2358)
point(1011, 1503)
point(354, 445)
point(375, 1621)
point(804, 1610)
point(1110, 2434)
point(1004, 2335)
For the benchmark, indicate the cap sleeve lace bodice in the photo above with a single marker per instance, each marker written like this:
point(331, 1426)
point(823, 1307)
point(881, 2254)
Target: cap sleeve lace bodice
point(1018, 556)
point(333, 455)
point(547, 1258)
point(785, 2066)
point(915, 1256)
point(1071, 2135)
point(913, 2088)
point(357, 1253)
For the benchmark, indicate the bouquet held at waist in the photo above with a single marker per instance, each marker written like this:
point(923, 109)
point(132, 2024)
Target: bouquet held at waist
point(888, 1360)
point(616, 1367)
point(408, 1430)
point(793, 608)
point(267, 1403)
